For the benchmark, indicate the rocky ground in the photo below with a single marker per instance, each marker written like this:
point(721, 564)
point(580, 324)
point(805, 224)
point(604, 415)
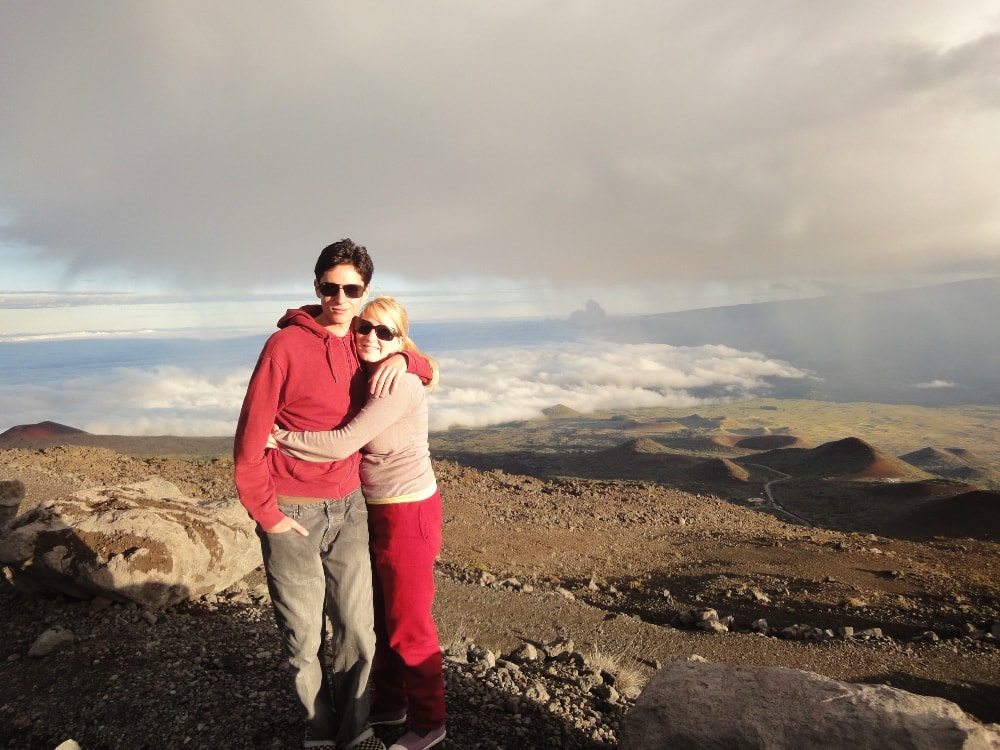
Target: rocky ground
point(602, 580)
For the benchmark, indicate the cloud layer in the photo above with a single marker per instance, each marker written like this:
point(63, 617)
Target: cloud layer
point(212, 144)
point(481, 387)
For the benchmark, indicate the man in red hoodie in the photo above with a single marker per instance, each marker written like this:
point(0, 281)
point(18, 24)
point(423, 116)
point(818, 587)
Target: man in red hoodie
point(311, 517)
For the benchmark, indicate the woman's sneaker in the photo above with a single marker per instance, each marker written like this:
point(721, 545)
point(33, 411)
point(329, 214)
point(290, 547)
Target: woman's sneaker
point(417, 740)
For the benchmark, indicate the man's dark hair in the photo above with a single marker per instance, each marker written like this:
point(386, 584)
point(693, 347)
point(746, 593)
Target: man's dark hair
point(346, 252)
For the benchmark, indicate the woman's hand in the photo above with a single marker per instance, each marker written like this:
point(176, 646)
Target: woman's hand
point(288, 524)
point(384, 378)
point(271, 442)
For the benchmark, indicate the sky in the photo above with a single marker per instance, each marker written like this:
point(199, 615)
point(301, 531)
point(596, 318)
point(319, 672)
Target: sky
point(509, 158)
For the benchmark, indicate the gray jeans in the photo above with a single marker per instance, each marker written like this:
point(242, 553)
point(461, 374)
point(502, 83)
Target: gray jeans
point(329, 567)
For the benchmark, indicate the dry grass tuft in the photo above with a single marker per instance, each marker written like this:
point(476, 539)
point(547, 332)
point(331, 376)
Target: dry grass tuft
point(629, 679)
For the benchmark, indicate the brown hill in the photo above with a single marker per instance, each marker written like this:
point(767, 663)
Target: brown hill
point(719, 470)
point(955, 463)
point(696, 421)
point(559, 411)
point(933, 459)
point(634, 447)
point(849, 458)
point(969, 515)
point(922, 490)
point(41, 430)
point(767, 442)
point(640, 458)
point(706, 443)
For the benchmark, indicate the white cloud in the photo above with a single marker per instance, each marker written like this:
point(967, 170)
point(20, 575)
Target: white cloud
point(498, 385)
point(936, 384)
point(479, 387)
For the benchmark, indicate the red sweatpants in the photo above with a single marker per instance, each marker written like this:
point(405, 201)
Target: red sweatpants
point(405, 539)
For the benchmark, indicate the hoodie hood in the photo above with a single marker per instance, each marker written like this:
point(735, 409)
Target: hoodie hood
point(305, 317)
point(338, 348)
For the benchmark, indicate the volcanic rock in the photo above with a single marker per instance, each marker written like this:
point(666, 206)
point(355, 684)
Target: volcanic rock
point(697, 705)
point(144, 542)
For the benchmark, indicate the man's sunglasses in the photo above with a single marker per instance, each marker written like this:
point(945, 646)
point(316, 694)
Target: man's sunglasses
point(329, 289)
point(364, 327)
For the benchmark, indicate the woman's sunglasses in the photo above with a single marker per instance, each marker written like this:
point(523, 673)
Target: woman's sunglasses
point(364, 327)
point(329, 289)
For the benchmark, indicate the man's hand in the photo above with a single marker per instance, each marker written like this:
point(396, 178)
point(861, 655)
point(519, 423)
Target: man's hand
point(384, 378)
point(288, 524)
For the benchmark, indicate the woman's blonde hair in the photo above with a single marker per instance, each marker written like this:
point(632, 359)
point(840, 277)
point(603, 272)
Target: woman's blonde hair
point(390, 311)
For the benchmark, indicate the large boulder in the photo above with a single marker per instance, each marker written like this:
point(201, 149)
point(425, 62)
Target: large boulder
point(697, 705)
point(145, 542)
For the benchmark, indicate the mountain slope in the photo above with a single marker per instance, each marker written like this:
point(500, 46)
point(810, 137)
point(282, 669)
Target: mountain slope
point(934, 345)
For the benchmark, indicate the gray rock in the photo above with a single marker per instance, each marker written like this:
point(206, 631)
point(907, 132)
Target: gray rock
point(11, 495)
point(697, 705)
point(524, 653)
point(52, 640)
point(536, 691)
point(607, 692)
point(145, 542)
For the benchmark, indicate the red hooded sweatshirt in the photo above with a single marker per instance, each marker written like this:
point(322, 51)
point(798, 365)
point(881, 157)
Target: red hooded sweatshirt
point(306, 378)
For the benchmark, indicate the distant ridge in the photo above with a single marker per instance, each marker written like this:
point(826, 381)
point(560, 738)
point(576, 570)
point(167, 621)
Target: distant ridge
point(40, 430)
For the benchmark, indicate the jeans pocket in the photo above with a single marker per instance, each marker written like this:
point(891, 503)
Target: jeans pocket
point(292, 511)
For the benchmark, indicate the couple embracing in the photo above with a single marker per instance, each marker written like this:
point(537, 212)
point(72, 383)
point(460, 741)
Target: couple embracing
point(335, 378)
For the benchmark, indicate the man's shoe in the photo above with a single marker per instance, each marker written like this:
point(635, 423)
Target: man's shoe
point(313, 742)
point(388, 718)
point(417, 740)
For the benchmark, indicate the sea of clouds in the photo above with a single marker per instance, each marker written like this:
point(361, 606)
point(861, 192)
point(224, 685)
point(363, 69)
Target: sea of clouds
point(141, 383)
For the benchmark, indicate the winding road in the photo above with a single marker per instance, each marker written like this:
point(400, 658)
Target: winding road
point(774, 504)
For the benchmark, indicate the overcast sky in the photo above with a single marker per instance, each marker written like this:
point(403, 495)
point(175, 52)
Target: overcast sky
point(762, 143)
